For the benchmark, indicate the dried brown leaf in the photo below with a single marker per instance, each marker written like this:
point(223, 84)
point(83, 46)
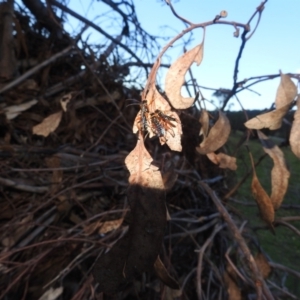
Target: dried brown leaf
point(263, 265)
point(217, 136)
point(224, 161)
point(103, 227)
point(142, 172)
point(262, 199)
point(271, 120)
point(137, 251)
point(52, 294)
point(279, 174)
point(234, 292)
point(48, 125)
point(176, 74)
point(286, 91)
point(163, 274)
point(204, 121)
point(64, 100)
point(295, 131)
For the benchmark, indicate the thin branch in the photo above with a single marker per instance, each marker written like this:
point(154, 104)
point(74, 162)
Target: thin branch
point(36, 69)
point(176, 14)
point(288, 225)
point(284, 268)
point(200, 258)
point(91, 24)
point(258, 278)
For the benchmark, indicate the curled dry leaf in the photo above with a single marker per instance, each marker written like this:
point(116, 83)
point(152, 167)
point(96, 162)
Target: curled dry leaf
point(279, 174)
point(204, 121)
point(262, 199)
point(137, 251)
point(217, 136)
point(295, 131)
point(176, 74)
point(263, 265)
point(286, 91)
point(13, 111)
point(224, 161)
point(48, 125)
point(64, 100)
point(271, 120)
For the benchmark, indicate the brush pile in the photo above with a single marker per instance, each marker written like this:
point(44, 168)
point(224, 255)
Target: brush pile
point(65, 131)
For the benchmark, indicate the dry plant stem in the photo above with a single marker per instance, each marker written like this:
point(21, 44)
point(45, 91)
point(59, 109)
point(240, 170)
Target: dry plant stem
point(288, 219)
point(261, 287)
point(23, 187)
point(176, 15)
point(86, 21)
point(69, 267)
point(185, 31)
point(73, 79)
point(263, 78)
point(200, 258)
point(104, 88)
point(288, 225)
point(237, 61)
point(102, 135)
point(233, 265)
point(282, 290)
point(235, 188)
point(36, 69)
point(284, 268)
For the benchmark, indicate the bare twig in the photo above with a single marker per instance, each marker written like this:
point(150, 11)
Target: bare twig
point(36, 69)
point(258, 279)
point(200, 258)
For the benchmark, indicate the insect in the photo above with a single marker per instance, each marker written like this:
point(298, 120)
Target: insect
point(161, 124)
point(157, 122)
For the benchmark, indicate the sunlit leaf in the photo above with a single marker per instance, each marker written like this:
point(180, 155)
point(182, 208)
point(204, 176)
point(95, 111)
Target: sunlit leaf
point(48, 125)
point(271, 120)
point(286, 91)
point(217, 135)
point(295, 131)
point(279, 174)
point(142, 172)
point(176, 74)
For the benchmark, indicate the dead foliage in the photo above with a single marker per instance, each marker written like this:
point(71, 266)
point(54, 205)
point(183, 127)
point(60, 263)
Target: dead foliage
point(101, 199)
